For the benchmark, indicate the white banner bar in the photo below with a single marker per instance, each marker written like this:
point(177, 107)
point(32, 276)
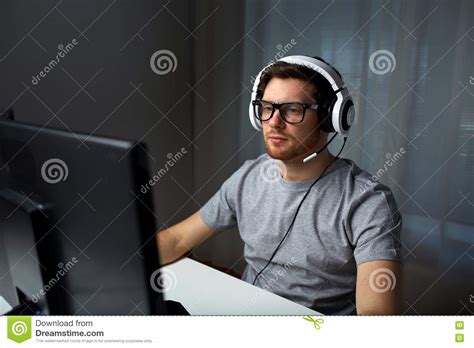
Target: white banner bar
point(256, 331)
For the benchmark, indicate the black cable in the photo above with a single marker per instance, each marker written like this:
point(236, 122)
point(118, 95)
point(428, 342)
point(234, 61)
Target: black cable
point(297, 210)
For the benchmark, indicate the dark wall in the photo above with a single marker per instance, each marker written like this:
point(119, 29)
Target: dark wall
point(104, 85)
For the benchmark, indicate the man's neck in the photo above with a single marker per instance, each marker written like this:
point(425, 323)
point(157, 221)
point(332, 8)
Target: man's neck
point(296, 170)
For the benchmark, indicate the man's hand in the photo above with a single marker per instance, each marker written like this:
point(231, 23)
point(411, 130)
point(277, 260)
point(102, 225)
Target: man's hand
point(181, 238)
point(378, 288)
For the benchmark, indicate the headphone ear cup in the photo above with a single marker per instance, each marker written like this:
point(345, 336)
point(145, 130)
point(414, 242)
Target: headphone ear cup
point(325, 115)
point(348, 115)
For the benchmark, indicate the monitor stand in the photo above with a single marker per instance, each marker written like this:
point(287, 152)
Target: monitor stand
point(21, 223)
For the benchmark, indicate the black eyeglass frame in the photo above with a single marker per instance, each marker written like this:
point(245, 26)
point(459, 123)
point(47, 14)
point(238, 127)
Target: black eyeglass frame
point(275, 106)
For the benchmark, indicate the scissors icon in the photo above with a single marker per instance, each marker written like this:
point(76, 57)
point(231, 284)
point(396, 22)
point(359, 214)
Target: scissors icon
point(316, 322)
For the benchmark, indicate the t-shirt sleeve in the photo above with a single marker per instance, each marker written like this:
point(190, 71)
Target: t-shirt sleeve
point(219, 213)
point(376, 226)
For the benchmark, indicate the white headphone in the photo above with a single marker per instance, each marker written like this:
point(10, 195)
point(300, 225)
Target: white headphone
point(340, 108)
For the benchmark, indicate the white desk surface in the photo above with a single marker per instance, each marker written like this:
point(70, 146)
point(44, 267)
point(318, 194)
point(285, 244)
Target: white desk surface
point(202, 290)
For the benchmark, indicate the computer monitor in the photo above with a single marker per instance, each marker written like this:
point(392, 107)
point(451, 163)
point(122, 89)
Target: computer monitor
point(19, 268)
point(72, 213)
point(8, 297)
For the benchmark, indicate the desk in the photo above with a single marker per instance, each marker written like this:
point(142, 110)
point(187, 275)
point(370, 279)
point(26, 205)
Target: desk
point(202, 290)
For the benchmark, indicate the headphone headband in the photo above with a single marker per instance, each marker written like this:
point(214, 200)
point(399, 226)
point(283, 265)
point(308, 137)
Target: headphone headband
point(315, 64)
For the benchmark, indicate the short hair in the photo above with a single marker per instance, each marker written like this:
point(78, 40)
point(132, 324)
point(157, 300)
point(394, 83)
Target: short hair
point(321, 88)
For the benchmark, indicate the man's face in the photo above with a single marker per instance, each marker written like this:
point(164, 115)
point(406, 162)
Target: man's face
point(285, 141)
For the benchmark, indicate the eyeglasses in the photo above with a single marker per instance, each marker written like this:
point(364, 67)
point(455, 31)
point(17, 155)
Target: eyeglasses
point(290, 112)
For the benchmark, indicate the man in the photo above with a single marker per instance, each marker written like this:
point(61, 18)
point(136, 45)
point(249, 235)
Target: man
point(333, 247)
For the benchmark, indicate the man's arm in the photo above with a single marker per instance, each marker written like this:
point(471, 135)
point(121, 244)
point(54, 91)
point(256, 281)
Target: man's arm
point(378, 288)
point(179, 239)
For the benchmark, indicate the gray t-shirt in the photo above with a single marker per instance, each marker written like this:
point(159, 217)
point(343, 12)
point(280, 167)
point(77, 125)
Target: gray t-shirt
point(347, 219)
